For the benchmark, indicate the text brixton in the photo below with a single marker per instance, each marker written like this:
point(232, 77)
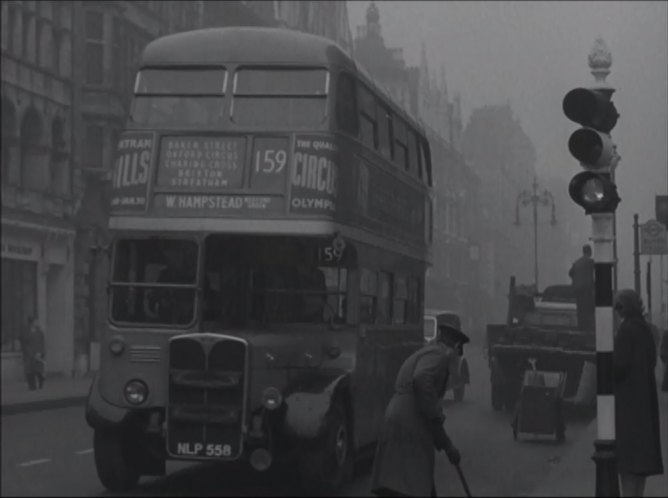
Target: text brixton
point(201, 162)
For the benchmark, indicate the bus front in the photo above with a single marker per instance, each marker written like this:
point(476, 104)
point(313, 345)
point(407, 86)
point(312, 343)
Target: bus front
point(230, 283)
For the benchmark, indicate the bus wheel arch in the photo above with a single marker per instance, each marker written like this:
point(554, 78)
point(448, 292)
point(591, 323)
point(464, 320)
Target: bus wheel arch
point(328, 464)
point(114, 462)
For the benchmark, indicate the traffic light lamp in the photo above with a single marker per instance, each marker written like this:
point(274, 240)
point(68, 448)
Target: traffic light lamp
point(592, 146)
point(595, 192)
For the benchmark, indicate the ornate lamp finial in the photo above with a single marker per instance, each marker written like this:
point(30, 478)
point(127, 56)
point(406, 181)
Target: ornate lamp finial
point(600, 61)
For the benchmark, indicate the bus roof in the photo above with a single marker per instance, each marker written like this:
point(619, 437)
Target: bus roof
point(245, 45)
point(259, 45)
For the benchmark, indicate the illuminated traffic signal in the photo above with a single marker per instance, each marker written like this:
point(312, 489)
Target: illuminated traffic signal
point(592, 146)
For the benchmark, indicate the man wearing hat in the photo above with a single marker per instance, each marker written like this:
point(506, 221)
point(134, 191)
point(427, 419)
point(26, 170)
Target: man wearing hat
point(413, 422)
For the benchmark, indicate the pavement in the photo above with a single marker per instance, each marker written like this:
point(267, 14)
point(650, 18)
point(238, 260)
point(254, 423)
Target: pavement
point(575, 474)
point(58, 392)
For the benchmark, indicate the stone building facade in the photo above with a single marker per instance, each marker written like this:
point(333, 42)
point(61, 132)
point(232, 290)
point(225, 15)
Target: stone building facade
point(38, 208)
point(452, 282)
point(502, 154)
point(67, 72)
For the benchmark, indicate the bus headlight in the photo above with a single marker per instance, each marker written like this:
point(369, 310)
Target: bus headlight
point(271, 398)
point(136, 392)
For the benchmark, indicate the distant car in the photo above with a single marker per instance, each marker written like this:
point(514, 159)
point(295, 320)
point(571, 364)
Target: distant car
point(460, 377)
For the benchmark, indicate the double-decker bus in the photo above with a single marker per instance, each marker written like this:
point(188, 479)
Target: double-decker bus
point(271, 218)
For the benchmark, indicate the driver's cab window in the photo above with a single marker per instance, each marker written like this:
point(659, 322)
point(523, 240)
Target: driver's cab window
point(154, 281)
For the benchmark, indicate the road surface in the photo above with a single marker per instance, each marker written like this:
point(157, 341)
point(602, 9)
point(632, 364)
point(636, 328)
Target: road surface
point(49, 453)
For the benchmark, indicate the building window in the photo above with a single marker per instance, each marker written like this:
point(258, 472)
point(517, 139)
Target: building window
point(8, 140)
point(94, 47)
point(34, 170)
point(60, 172)
point(94, 148)
point(28, 36)
point(400, 301)
point(384, 314)
point(19, 300)
point(117, 68)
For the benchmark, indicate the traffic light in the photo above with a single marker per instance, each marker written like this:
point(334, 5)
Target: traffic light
point(661, 209)
point(592, 146)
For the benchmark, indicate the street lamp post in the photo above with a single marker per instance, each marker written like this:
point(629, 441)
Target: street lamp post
point(535, 198)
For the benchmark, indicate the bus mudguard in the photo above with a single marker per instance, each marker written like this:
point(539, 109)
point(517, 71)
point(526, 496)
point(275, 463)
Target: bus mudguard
point(306, 409)
point(100, 413)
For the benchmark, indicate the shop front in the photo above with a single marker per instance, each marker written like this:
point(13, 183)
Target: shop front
point(37, 280)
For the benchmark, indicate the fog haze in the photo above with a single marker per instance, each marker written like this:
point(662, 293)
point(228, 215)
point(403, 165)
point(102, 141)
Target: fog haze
point(530, 54)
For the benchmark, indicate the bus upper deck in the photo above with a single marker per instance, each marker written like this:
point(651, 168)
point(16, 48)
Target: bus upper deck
point(254, 130)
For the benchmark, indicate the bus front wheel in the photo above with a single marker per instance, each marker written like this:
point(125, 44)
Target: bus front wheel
point(325, 469)
point(113, 459)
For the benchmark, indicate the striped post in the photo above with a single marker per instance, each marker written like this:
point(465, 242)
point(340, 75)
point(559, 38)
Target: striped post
point(607, 483)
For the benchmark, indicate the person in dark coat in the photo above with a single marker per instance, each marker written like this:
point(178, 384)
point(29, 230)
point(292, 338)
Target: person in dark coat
point(413, 422)
point(32, 347)
point(664, 360)
point(582, 281)
point(636, 397)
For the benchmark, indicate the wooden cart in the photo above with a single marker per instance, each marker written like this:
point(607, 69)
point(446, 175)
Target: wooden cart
point(539, 410)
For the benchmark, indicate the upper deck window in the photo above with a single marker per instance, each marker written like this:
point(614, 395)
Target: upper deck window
point(280, 98)
point(179, 97)
point(186, 81)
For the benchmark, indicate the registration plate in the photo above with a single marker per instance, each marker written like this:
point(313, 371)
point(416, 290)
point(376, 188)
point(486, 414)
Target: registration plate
point(192, 449)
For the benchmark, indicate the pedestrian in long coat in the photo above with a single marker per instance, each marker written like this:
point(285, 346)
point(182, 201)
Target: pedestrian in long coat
point(413, 422)
point(664, 359)
point(32, 347)
point(636, 398)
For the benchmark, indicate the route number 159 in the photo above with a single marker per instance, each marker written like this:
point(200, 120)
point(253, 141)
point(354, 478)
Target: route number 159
point(270, 161)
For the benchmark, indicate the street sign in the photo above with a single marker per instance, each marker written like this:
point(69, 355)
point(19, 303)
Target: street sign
point(653, 238)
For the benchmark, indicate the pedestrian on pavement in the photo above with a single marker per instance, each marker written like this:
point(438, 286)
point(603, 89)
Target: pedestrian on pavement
point(32, 347)
point(636, 398)
point(664, 360)
point(582, 281)
point(413, 422)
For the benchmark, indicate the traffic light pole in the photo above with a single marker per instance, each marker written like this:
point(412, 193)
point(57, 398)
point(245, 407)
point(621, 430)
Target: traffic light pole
point(604, 261)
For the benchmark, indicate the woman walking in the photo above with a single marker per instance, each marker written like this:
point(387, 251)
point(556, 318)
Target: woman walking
point(32, 346)
point(636, 397)
point(413, 423)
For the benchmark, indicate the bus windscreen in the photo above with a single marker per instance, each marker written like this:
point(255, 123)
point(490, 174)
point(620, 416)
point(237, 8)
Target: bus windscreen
point(175, 97)
point(280, 98)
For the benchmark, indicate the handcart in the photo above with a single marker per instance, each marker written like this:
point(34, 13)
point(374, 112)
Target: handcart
point(540, 407)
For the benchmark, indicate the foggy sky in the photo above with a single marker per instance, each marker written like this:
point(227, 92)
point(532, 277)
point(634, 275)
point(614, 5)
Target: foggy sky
point(531, 54)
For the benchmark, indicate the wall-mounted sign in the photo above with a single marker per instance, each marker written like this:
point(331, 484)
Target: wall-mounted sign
point(19, 250)
point(653, 238)
point(314, 175)
point(132, 171)
point(201, 162)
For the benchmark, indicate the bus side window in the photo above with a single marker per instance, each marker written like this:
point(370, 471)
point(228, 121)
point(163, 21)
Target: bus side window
point(346, 105)
point(368, 296)
point(385, 132)
point(414, 155)
point(400, 143)
point(368, 119)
